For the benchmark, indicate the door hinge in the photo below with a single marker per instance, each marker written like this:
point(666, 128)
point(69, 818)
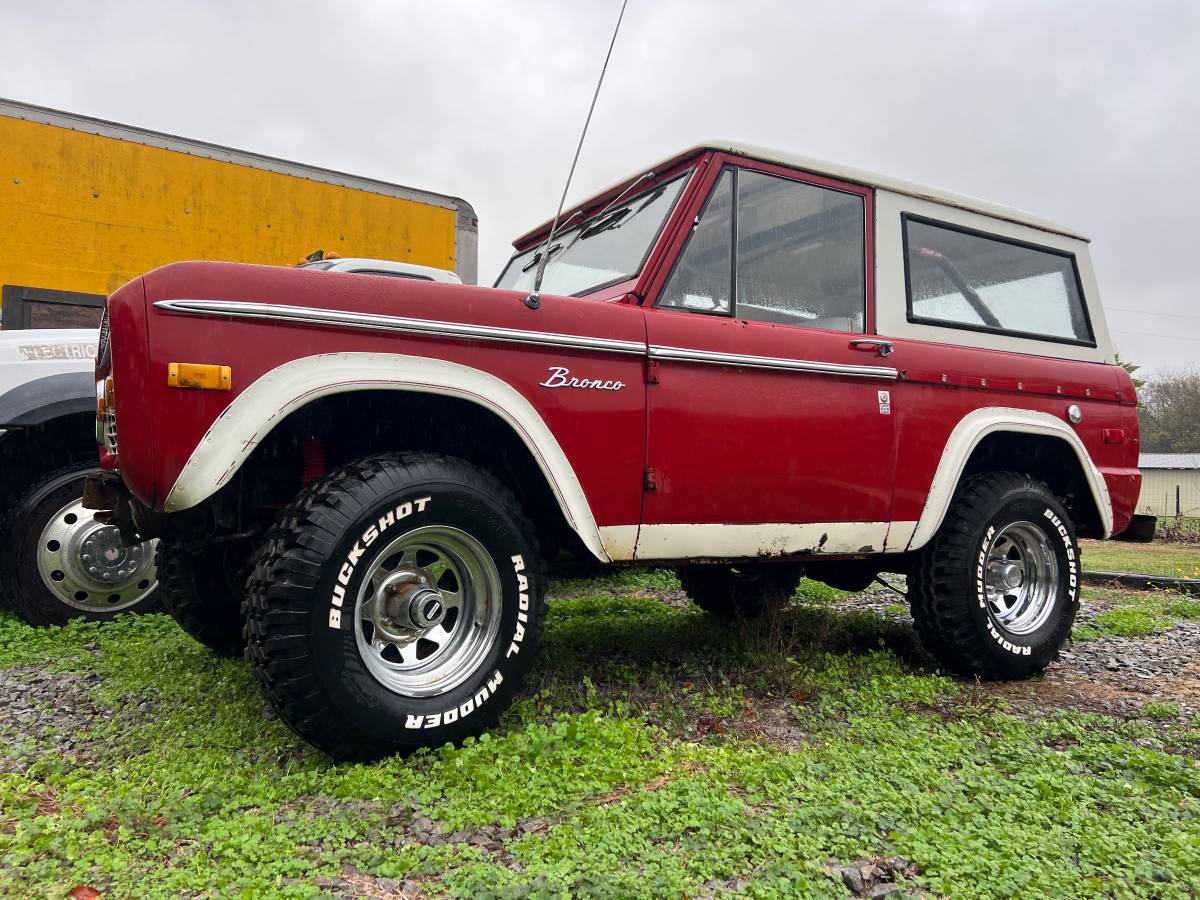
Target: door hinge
point(651, 371)
point(651, 480)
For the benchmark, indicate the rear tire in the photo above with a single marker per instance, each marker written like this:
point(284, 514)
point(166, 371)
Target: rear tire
point(738, 592)
point(62, 564)
point(995, 592)
point(202, 590)
point(397, 605)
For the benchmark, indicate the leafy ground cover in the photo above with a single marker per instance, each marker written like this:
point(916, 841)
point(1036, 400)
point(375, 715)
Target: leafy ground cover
point(654, 753)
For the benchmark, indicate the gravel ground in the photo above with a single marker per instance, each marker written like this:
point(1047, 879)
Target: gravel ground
point(44, 712)
point(1111, 675)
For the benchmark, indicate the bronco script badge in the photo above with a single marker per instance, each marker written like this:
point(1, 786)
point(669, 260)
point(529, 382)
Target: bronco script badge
point(561, 376)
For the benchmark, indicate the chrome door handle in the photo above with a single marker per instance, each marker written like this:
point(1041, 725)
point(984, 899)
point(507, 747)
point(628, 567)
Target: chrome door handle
point(867, 345)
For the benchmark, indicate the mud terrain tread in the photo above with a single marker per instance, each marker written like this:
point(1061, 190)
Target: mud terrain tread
point(288, 568)
point(940, 610)
point(214, 621)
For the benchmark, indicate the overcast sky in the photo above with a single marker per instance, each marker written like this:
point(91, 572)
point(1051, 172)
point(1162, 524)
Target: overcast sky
point(1085, 112)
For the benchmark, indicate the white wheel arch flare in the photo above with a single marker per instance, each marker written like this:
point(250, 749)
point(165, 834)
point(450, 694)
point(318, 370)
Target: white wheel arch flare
point(965, 437)
point(275, 395)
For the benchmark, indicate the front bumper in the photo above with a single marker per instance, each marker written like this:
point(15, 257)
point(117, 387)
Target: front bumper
point(106, 493)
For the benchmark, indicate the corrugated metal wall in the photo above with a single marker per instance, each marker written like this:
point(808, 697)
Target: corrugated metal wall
point(1159, 487)
point(86, 213)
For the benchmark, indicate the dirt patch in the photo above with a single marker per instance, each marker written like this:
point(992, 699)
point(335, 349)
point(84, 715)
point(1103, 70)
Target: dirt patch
point(1117, 676)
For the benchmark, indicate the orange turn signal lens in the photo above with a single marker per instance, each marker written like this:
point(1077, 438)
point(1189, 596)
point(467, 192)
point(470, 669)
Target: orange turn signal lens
point(200, 376)
point(105, 396)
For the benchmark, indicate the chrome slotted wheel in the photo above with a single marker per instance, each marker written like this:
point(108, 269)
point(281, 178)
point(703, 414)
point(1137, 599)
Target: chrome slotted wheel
point(428, 611)
point(1021, 578)
point(86, 565)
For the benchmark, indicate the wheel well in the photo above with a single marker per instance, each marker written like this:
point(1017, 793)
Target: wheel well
point(31, 451)
point(359, 423)
point(1048, 459)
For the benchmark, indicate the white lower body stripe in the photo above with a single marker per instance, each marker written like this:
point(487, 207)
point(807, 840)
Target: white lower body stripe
point(716, 541)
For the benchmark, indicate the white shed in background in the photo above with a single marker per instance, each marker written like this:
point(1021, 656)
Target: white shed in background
point(1170, 484)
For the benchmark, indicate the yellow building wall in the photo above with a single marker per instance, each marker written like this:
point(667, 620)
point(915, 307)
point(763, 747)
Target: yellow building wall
point(81, 212)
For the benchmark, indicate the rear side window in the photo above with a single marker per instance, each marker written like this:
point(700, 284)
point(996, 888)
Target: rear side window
point(960, 278)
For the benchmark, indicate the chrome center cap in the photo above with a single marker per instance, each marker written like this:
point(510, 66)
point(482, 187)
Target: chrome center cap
point(410, 600)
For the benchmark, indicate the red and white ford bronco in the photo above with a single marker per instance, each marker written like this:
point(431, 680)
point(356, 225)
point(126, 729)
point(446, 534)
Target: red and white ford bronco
point(745, 365)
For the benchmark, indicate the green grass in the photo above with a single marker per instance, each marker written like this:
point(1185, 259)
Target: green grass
point(654, 753)
point(1176, 560)
point(1140, 613)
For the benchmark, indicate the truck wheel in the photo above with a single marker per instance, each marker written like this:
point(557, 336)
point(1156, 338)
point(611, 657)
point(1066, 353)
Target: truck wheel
point(995, 592)
point(202, 590)
point(396, 605)
point(65, 565)
point(738, 592)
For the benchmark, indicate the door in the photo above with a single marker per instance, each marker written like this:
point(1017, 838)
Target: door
point(769, 425)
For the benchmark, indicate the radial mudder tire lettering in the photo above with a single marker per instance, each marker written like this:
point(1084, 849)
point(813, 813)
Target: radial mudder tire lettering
point(996, 591)
point(396, 605)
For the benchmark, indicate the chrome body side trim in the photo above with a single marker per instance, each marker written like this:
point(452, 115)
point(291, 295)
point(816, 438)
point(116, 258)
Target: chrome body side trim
point(712, 358)
point(304, 315)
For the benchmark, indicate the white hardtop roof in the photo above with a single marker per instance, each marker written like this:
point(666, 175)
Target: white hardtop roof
point(855, 175)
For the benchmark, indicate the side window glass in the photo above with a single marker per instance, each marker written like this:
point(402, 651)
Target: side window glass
point(800, 256)
point(960, 278)
point(703, 275)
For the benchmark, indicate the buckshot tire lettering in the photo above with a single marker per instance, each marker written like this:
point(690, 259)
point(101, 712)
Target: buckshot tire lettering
point(386, 521)
point(1072, 561)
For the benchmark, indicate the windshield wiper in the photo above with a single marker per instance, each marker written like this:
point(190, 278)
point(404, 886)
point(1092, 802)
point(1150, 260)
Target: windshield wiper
point(608, 223)
point(537, 257)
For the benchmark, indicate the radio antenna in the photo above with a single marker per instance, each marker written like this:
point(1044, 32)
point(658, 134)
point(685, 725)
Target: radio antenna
point(534, 300)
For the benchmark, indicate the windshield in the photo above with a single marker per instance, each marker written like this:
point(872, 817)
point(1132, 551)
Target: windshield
point(603, 250)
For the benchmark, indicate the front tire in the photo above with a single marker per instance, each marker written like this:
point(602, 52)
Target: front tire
point(62, 564)
point(397, 604)
point(995, 592)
